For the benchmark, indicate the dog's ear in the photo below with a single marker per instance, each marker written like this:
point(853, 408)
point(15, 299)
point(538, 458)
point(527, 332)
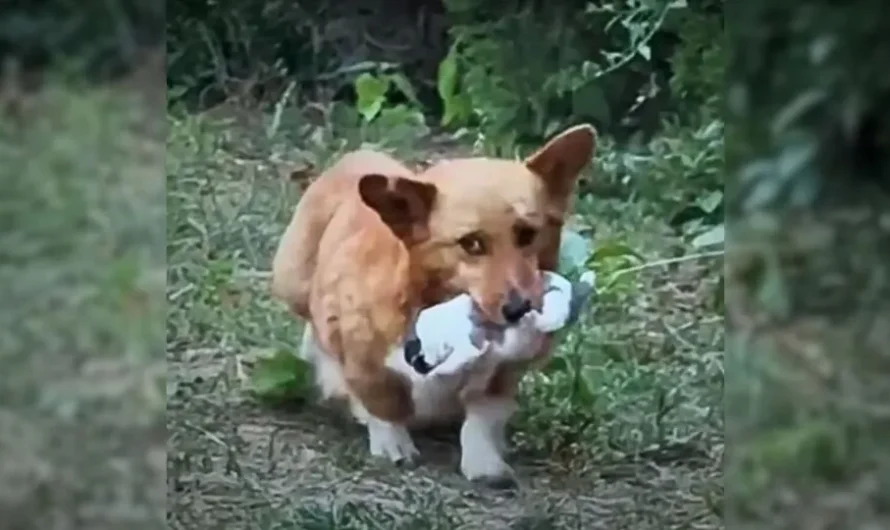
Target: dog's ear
point(561, 160)
point(403, 204)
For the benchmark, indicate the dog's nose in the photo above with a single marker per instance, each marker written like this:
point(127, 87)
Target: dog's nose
point(516, 307)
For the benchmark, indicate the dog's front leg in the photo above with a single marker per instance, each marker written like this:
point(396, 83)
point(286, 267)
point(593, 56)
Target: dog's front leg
point(381, 399)
point(483, 440)
point(386, 439)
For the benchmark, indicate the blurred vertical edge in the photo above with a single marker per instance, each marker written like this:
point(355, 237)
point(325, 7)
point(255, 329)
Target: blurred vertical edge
point(82, 265)
point(808, 263)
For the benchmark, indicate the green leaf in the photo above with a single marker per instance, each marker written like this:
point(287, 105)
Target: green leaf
point(457, 107)
point(613, 249)
point(712, 237)
point(792, 113)
point(818, 447)
point(772, 293)
point(404, 86)
point(574, 249)
point(280, 375)
point(446, 83)
point(370, 92)
point(711, 201)
point(719, 297)
point(176, 92)
point(590, 100)
point(585, 389)
point(645, 51)
point(794, 158)
point(457, 110)
point(695, 211)
point(558, 364)
point(399, 125)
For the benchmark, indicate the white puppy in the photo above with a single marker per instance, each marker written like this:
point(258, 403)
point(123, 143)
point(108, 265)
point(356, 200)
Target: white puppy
point(448, 337)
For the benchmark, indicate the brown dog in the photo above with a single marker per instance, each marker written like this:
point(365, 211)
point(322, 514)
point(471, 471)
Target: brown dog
point(371, 243)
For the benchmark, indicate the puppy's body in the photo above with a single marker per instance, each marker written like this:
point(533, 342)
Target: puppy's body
point(370, 244)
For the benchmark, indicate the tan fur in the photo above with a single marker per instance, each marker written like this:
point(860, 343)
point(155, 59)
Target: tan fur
point(370, 244)
point(297, 255)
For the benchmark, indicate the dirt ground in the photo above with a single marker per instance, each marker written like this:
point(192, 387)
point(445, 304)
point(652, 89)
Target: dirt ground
point(236, 463)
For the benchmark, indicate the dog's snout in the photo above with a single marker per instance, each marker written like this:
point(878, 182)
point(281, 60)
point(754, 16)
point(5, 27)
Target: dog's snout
point(515, 307)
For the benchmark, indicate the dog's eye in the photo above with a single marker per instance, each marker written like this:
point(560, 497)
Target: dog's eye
point(525, 236)
point(473, 244)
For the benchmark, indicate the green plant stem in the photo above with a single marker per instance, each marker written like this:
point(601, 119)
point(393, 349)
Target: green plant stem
point(645, 40)
point(664, 262)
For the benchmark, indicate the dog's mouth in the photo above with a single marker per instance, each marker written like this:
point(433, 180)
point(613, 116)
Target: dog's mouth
point(481, 320)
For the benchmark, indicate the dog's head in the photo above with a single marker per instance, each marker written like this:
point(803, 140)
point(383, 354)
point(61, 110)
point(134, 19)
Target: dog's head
point(487, 226)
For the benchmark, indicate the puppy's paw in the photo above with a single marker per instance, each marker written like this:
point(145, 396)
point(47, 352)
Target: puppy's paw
point(481, 459)
point(493, 473)
point(391, 442)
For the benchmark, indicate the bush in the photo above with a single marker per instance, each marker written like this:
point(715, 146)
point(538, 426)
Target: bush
point(607, 62)
point(102, 39)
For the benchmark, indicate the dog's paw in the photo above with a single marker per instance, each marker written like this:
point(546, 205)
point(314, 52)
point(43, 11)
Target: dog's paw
point(481, 459)
point(492, 473)
point(391, 442)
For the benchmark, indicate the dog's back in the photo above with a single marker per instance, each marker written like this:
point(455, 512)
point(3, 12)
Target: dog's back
point(296, 258)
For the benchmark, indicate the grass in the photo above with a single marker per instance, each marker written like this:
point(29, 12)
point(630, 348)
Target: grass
point(81, 275)
point(624, 429)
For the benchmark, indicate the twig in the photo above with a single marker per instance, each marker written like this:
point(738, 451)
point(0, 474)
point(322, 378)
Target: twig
point(254, 274)
point(712, 320)
point(279, 109)
point(645, 40)
point(663, 262)
point(673, 332)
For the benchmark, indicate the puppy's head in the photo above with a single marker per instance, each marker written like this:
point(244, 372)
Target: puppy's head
point(487, 226)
